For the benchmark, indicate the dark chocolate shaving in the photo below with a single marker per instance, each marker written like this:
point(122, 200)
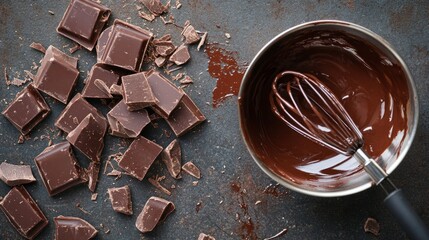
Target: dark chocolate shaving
point(155, 210)
point(38, 46)
point(279, 234)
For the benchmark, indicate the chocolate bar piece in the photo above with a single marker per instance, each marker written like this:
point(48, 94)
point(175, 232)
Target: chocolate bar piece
point(77, 109)
point(167, 94)
point(83, 21)
point(191, 169)
point(180, 56)
point(137, 92)
point(103, 73)
point(102, 41)
point(204, 236)
point(27, 110)
point(73, 228)
point(121, 199)
point(126, 46)
point(186, 116)
point(172, 157)
point(57, 74)
point(372, 226)
point(58, 168)
point(13, 175)
point(139, 157)
point(124, 123)
point(23, 213)
point(154, 211)
point(88, 137)
point(93, 171)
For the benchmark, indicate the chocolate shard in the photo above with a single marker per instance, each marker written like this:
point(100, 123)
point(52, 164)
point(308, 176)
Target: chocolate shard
point(156, 7)
point(73, 228)
point(372, 226)
point(38, 46)
point(172, 157)
point(147, 16)
point(77, 109)
point(102, 41)
point(202, 41)
point(92, 172)
point(191, 36)
point(27, 110)
point(116, 90)
point(163, 46)
point(58, 168)
point(185, 117)
point(121, 199)
point(204, 236)
point(87, 137)
point(191, 169)
point(154, 211)
point(23, 213)
point(83, 21)
point(57, 67)
point(126, 46)
point(124, 123)
point(137, 92)
point(13, 175)
point(103, 73)
point(167, 94)
point(139, 157)
point(160, 61)
point(181, 55)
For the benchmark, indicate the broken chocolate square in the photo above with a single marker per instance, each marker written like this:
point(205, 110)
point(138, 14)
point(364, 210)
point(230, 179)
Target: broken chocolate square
point(58, 168)
point(139, 157)
point(180, 56)
point(172, 157)
point(121, 199)
point(73, 228)
point(204, 236)
point(13, 175)
point(103, 73)
point(168, 94)
point(126, 46)
point(27, 110)
point(93, 171)
point(23, 213)
point(191, 169)
point(154, 211)
point(83, 21)
point(57, 74)
point(137, 92)
point(124, 123)
point(88, 137)
point(77, 109)
point(186, 116)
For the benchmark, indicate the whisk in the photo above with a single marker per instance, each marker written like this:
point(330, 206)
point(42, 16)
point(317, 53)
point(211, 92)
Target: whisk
point(310, 108)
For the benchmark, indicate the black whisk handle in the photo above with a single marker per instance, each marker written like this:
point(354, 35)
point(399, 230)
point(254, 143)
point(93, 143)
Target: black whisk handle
point(401, 209)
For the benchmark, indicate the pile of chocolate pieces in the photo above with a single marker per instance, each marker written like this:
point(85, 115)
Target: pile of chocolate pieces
point(121, 49)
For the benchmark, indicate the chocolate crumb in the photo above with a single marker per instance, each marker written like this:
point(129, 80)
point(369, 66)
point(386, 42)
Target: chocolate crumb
point(194, 183)
point(81, 208)
point(75, 48)
point(21, 139)
point(204, 236)
point(6, 77)
point(191, 169)
point(186, 81)
point(178, 4)
point(257, 202)
point(279, 234)
point(147, 16)
point(51, 12)
point(115, 173)
point(202, 41)
point(156, 183)
point(94, 196)
point(17, 82)
point(29, 74)
point(372, 226)
point(38, 46)
point(227, 35)
point(160, 61)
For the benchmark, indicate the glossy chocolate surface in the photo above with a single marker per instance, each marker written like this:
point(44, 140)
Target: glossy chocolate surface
point(137, 92)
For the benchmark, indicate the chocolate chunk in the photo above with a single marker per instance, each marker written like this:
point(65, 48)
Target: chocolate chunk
point(180, 56)
point(191, 36)
point(139, 157)
point(102, 73)
point(121, 199)
point(116, 90)
point(77, 109)
point(57, 68)
point(83, 21)
point(137, 92)
point(13, 175)
point(93, 171)
point(126, 46)
point(154, 211)
point(202, 41)
point(73, 228)
point(27, 110)
point(156, 7)
point(160, 61)
point(163, 46)
point(58, 168)
point(372, 226)
point(124, 123)
point(23, 213)
point(185, 117)
point(38, 46)
point(191, 169)
point(167, 94)
point(172, 157)
point(204, 236)
point(102, 41)
point(88, 137)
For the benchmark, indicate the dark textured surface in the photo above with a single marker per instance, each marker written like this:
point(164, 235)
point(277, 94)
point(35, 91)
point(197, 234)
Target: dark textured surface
point(216, 146)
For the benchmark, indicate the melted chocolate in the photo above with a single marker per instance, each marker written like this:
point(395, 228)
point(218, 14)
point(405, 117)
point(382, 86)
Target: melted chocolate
point(371, 85)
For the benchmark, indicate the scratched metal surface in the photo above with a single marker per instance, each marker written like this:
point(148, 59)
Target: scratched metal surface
point(231, 182)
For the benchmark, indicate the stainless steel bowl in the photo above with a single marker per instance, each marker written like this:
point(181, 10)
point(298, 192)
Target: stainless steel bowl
point(360, 180)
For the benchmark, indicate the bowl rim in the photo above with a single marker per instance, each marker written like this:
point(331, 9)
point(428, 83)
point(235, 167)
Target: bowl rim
point(411, 85)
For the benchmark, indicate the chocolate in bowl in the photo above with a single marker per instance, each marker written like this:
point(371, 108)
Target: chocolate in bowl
point(364, 73)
